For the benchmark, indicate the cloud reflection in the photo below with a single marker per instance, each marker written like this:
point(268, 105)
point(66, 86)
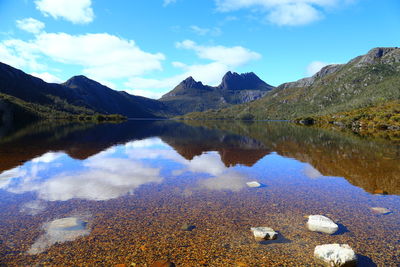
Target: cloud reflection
point(113, 173)
point(106, 178)
point(311, 172)
point(232, 181)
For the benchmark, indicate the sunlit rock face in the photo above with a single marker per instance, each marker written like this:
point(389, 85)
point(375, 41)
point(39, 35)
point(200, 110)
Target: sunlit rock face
point(319, 223)
point(58, 231)
point(336, 255)
point(264, 233)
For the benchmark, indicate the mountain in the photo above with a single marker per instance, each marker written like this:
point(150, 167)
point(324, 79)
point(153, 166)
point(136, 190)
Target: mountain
point(191, 95)
point(23, 96)
point(370, 79)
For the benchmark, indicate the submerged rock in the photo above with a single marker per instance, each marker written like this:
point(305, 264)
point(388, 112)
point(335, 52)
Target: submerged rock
point(253, 184)
point(187, 227)
point(336, 254)
point(58, 231)
point(319, 223)
point(380, 210)
point(68, 224)
point(264, 233)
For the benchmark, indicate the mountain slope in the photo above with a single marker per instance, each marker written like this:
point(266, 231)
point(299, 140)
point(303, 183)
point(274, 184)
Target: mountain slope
point(235, 88)
point(366, 80)
point(78, 96)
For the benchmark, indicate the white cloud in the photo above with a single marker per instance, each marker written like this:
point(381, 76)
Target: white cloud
point(102, 56)
point(30, 25)
point(168, 2)
point(20, 54)
point(314, 67)
point(47, 77)
point(76, 11)
point(222, 60)
point(283, 12)
point(205, 31)
point(294, 14)
point(145, 93)
point(231, 56)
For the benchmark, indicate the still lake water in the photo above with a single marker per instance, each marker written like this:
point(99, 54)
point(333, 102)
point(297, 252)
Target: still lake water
point(132, 188)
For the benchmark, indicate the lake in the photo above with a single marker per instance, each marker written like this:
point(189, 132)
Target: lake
point(145, 191)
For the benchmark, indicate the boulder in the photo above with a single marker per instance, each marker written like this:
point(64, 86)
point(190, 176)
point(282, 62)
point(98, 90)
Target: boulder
point(336, 255)
point(319, 223)
point(264, 233)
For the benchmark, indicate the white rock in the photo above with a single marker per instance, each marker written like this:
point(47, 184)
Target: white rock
point(335, 254)
point(253, 184)
point(319, 223)
point(380, 210)
point(266, 233)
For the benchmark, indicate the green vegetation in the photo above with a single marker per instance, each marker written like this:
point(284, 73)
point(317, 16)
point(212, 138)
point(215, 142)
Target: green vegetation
point(365, 121)
point(21, 110)
point(363, 82)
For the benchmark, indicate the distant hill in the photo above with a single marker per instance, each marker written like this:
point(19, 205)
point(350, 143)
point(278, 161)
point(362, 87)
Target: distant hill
point(235, 88)
point(367, 80)
point(25, 96)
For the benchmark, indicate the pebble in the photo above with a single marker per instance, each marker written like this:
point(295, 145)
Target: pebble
point(265, 233)
point(319, 223)
point(336, 254)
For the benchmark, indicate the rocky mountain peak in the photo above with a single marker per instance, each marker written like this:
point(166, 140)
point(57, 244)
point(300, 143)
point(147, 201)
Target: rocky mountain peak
point(190, 83)
point(379, 54)
point(245, 81)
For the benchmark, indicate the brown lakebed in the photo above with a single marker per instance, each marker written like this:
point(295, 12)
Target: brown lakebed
point(136, 185)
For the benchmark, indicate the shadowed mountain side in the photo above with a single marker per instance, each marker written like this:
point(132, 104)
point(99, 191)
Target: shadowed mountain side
point(80, 141)
point(234, 149)
point(77, 96)
point(367, 163)
point(190, 95)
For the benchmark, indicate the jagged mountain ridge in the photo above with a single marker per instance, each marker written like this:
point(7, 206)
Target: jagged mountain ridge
point(191, 95)
point(366, 80)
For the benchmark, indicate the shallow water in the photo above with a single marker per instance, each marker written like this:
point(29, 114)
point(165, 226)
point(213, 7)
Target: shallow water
point(133, 187)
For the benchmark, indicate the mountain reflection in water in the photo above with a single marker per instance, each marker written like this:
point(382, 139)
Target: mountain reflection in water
point(107, 194)
point(114, 153)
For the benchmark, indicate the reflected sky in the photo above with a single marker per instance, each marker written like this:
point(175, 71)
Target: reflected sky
point(157, 180)
point(112, 173)
point(122, 169)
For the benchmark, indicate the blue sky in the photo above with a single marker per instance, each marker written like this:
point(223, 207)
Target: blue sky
point(147, 47)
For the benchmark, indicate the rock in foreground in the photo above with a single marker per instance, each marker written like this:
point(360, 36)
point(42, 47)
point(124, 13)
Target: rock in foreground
point(319, 223)
point(336, 255)
point(264, 233)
